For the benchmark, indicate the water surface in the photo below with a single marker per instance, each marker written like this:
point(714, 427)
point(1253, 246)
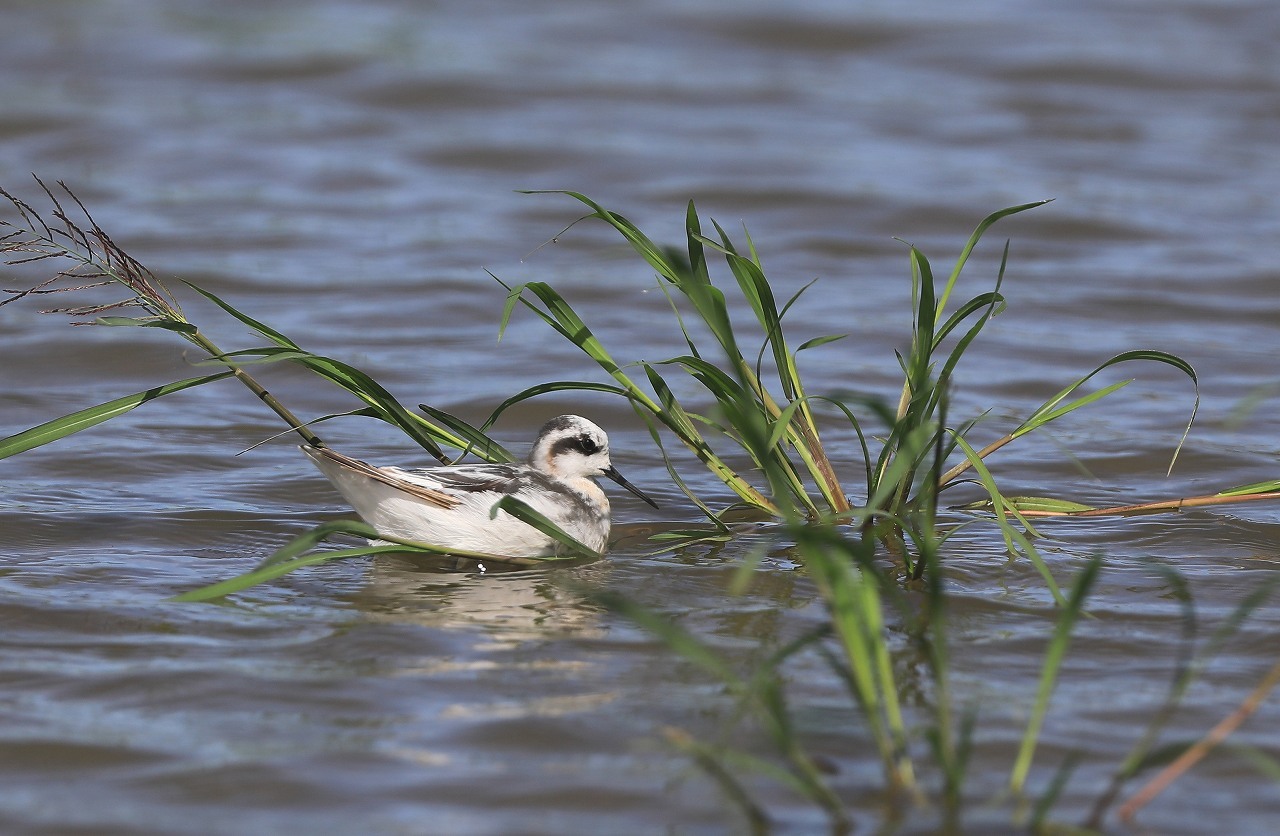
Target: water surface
point(348, 173)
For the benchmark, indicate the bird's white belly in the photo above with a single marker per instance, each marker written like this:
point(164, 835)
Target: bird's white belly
point(468, 526)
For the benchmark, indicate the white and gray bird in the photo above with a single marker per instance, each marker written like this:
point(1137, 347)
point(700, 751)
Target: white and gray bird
point(450, 505)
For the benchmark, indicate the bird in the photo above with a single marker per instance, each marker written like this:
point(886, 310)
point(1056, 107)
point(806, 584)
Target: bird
point(451, 506)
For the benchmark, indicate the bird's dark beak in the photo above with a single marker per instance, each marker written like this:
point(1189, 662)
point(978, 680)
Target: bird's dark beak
point(612, 473)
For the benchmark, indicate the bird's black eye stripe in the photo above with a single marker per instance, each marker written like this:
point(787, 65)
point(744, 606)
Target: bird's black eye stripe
point(584, 444)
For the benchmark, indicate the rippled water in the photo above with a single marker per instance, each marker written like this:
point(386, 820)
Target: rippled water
point(347, 172)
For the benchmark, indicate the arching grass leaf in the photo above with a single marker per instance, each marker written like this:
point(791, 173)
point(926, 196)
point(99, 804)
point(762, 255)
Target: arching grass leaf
point(83, 419)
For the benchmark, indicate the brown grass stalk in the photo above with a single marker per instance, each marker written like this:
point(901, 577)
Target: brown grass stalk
point(1202, 747)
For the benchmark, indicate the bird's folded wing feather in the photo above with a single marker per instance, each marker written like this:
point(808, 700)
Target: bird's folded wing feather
point(476, 478)
point(367, 470)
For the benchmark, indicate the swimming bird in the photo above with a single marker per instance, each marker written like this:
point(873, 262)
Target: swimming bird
point(450, 505)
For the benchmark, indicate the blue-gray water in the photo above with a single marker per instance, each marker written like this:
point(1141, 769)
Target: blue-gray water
point(348, 171)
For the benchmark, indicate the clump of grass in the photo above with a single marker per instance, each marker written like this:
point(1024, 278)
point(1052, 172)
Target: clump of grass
point(792, 478)
point(903, 473)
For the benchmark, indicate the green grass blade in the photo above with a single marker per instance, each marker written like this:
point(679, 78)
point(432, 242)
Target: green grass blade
point(762, 690)
point(690, 279)
point(82, 419)
point(757, 292)
point(389, 409)
point(1044, 804)
point(1271, 486)
point(147, 322)
point(981, 229)
point(275, 570)
point(297, 554)
point(530, 516)
point(853, 599)
point(713, 764)
point(308, 540)
point(677, 638)
point(680, 320)
point(1266, 765)
point(478, 444)
point(817, 341)
point(266, 331)
point(719, 384)
point(1003, 509)
point(795, 297)
point(681, 422)
point(1023, 504)
point(383, 404)
point(546, 388)
point(1049, 410)
point(676, 478)
point(697, 254)
point(1040, 418)
point(992, 302)
point(894, 472)
point(560, 315)
point(926, 313)
point(1057, 650)
point(734, 399)
point(640, 242)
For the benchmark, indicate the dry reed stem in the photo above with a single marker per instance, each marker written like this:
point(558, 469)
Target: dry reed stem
point(1196, 753)
point(1161, 507)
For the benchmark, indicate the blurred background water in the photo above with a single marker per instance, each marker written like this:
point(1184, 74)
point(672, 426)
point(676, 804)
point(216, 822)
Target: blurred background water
point(348, 172)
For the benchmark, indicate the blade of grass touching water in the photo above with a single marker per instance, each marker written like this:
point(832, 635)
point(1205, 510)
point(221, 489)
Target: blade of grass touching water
point(1067, 617)
point(1162, 506)
point(276, 570)
point(297, 554)
point(1015, 541)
